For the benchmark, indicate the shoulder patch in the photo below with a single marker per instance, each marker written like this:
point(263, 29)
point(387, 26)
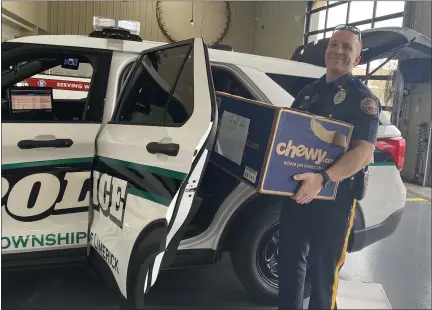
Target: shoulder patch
point(369, 106)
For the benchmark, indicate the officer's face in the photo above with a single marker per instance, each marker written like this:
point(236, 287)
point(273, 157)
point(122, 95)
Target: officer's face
point(343, 52)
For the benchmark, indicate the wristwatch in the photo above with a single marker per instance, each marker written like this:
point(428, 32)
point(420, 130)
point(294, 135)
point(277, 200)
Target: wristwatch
point(326, 179)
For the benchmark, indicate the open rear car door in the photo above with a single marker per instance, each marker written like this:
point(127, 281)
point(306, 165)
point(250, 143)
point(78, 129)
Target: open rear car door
point(398, 43)
point(148, 165)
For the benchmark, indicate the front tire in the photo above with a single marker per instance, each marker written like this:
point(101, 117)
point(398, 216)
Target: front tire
point(254, 255)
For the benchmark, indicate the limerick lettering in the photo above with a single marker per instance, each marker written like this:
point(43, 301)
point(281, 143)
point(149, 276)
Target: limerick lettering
point(109, 257)
point(315, 154)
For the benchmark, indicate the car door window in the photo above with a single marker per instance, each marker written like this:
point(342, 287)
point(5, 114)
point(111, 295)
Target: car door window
point(166, 79)
point(290, 83)
point(67, 74)
point(227, 82)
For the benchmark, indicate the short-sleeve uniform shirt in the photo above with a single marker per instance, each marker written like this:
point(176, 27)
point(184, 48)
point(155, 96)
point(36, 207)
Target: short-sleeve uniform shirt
point(346, 99)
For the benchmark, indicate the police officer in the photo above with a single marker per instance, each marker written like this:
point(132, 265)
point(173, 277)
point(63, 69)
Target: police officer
point(318, 230)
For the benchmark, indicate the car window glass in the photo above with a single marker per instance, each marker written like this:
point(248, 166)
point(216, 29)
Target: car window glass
point(161, 91)
point(227, 82)
point(181, 102)
point(290, 83)
point(69, 87)
point(67, 84)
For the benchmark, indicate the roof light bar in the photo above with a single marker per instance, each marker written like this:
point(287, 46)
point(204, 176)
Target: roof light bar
point(100, 23)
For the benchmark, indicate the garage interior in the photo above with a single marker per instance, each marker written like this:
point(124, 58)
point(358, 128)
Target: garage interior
point(271, 28)
point(276, 29)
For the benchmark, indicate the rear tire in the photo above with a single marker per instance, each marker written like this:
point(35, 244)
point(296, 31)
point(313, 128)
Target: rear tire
point(255, 243)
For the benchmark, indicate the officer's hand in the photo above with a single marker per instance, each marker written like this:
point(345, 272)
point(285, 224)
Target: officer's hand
point(311, 186)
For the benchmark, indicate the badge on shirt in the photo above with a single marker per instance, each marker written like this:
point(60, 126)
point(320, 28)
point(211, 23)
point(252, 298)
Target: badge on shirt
point(339, 97)
point(369, 106)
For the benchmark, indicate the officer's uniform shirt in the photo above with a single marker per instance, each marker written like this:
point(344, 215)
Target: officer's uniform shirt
point(346, 99)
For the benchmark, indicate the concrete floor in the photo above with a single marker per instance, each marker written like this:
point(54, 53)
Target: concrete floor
point(419, 191)
point(401, 263)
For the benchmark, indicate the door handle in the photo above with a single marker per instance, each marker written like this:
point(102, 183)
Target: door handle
point(34, 144)
point(170, 149)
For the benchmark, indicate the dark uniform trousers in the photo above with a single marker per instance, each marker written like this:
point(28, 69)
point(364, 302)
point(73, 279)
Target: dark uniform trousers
point(318, 232)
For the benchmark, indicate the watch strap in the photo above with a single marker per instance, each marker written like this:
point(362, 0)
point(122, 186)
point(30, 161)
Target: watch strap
point(326, 178)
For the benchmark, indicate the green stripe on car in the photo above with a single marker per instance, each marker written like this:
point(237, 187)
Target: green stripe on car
point(66, 161)
point(146, 195)
point(144, 168)
point(69, 161)
point(148, 169)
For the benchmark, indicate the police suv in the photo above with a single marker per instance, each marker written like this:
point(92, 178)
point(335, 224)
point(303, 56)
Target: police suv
point(119, 174)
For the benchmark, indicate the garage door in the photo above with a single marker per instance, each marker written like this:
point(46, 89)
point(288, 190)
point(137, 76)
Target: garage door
point(9, 31)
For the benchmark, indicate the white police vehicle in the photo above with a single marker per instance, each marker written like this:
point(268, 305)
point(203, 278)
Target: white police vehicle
point(119, 174)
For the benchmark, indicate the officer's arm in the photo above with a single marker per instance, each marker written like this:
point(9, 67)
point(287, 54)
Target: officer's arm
point(363, 138)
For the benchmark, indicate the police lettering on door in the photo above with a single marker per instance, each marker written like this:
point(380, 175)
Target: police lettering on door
point(36, 196)
point(109, 196)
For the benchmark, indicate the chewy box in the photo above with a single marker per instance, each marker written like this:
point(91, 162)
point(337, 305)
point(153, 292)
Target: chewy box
point(265, 146)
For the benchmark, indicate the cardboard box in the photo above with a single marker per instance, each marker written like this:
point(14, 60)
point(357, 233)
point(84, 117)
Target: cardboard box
point(265, 146)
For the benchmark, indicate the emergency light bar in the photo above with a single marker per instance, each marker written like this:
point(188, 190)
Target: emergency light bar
point(101, 23)
point(109, 28)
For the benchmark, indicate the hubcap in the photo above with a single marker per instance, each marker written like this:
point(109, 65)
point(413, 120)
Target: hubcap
point(267, 256)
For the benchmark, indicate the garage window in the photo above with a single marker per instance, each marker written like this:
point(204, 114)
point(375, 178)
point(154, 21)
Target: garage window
point(323, 16)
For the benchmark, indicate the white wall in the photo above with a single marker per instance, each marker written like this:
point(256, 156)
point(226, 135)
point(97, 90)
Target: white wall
point(9, 31)
point(32, 13)
point(75, 17)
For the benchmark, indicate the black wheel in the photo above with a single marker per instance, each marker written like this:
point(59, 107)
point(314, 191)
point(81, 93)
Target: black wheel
point(254, 255)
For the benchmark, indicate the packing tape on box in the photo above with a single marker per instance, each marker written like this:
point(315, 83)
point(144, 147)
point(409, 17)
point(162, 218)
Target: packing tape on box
point(331, 137)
